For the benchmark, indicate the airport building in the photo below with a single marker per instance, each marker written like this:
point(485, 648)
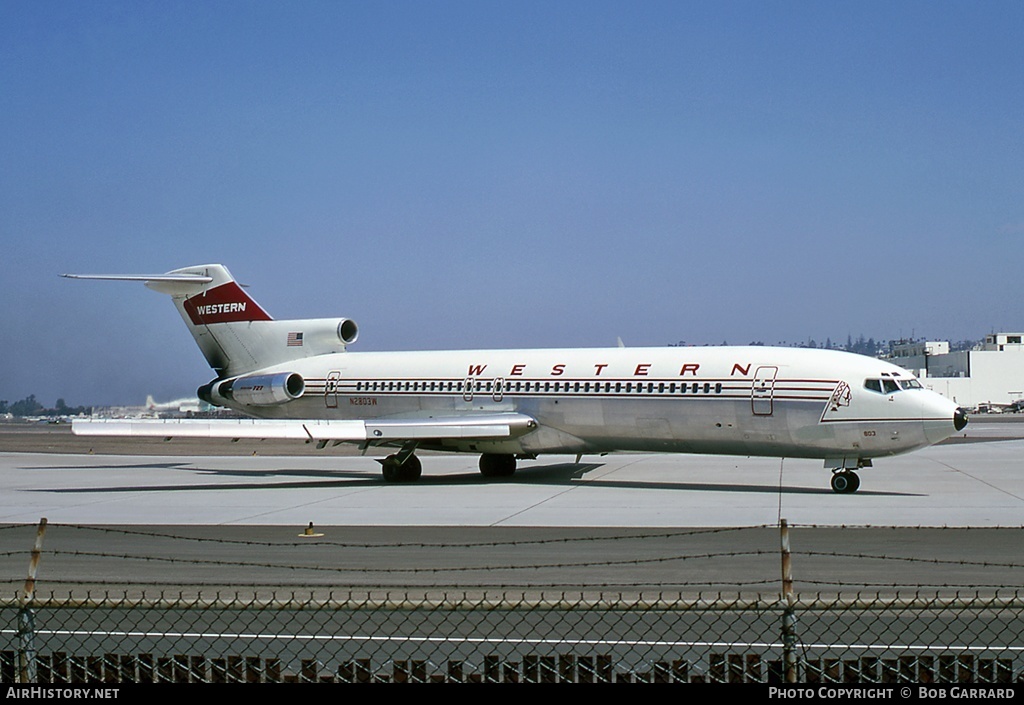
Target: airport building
point(988, 378)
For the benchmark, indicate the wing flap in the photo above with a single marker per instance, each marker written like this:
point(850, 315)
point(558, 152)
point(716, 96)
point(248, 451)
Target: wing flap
point(508, 425)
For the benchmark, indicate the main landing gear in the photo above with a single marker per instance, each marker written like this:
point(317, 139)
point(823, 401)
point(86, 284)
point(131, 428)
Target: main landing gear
point(845, 481)
point(497, 465)
point(404, 466)
point(399, 469)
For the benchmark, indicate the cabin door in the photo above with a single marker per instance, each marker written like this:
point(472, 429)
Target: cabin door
point(762, 395)
point(331, 389)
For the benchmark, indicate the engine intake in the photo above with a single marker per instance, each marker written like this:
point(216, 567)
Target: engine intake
point(348, 331)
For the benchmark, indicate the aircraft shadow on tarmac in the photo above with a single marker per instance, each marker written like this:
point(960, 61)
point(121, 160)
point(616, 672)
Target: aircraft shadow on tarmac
point(557, 474)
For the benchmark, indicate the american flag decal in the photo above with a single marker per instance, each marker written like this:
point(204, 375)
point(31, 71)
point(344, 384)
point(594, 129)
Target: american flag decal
point(294, 339)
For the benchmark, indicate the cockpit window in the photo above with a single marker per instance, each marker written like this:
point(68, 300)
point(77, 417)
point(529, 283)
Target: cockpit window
point(890, 386)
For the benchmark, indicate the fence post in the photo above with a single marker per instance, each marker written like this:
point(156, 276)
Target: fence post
point(789, 615)
point(27, 665)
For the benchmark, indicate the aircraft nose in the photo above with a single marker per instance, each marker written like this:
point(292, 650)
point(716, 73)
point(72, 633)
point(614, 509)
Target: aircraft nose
point(959, 419)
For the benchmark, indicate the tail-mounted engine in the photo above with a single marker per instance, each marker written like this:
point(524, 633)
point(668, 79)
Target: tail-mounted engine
point(254, 390)
point(321, 335)
point(348, 331)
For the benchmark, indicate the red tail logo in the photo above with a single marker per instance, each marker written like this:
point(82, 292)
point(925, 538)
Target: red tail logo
point(224, 304)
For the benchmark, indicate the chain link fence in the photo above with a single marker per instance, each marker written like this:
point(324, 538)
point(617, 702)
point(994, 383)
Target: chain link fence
point(115, 622)
point(509, 639)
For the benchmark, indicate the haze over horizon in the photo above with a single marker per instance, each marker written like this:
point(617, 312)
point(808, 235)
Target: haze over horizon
point(499, 175)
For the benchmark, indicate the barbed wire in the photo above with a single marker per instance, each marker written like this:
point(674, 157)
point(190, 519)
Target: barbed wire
point(434, 569)
point(675, 533)
point(921, 527)
point(908, 559)
point(808, 574)
point(575, 564)
point(589, 585)
point(876, 596)
point(462, 585)
point(378, 545)
point(918, 586)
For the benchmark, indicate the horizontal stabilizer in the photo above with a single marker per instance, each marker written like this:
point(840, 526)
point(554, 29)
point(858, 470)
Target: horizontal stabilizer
point(195, 278)
point(173, 283)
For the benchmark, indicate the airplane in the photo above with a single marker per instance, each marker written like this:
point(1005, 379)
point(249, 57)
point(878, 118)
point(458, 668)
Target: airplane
point(297, 380)
point(181, 405)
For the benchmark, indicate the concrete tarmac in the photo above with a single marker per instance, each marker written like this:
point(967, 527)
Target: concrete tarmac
point(200, 516)
point(964, 483)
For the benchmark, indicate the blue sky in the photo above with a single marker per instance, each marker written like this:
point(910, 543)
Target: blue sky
point(516, 174)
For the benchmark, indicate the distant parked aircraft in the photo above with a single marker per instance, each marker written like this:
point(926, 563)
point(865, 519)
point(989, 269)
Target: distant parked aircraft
point(182, 405)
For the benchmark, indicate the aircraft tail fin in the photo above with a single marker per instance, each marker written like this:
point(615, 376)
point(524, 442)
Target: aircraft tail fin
point(236, 334)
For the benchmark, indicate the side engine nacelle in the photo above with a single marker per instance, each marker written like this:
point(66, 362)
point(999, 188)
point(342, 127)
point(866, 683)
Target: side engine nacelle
point(254, 390)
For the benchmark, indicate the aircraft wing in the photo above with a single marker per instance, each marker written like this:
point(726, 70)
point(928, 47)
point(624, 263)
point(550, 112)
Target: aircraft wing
point(504, 425)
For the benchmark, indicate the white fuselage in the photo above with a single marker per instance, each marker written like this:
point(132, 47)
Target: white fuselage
point(725, 400)
point(299, 379)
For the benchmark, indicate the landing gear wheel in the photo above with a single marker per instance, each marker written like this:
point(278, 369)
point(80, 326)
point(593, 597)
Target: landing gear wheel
point(409, 471)
point(845, 482)
point(497, 465)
